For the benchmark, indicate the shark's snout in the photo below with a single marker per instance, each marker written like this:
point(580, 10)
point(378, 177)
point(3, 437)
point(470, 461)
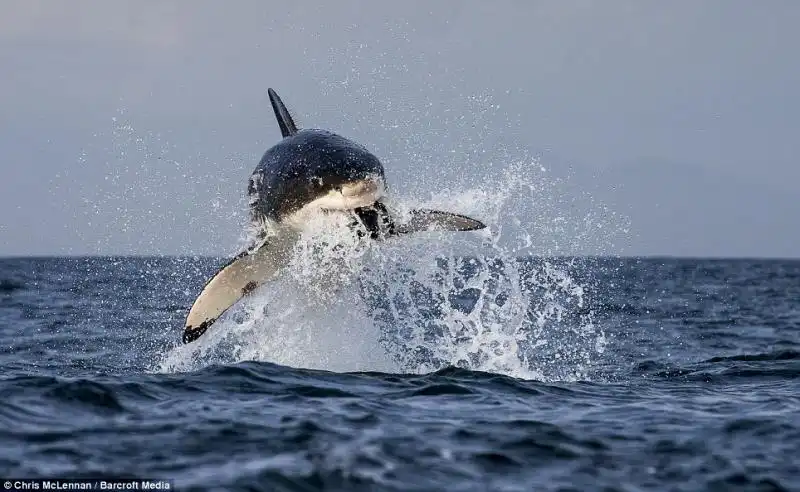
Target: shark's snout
point(355, 194)
point(372, 186)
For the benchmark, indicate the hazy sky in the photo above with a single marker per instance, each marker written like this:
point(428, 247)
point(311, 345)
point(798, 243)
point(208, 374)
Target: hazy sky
point(132, 127)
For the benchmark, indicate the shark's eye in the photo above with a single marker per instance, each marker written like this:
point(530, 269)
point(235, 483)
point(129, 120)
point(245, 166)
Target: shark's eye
point(315, 181)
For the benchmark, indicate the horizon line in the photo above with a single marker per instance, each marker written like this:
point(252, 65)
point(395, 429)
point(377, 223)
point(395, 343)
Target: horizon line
point(573, 256)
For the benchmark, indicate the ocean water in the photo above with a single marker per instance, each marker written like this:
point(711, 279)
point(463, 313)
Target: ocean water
point(447, 372)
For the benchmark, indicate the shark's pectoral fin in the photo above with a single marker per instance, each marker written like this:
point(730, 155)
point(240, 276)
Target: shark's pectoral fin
point(436, 220)
point(238, 278)
point(379, 222)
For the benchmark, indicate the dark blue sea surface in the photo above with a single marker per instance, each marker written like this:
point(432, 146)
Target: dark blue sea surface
point(688, 381)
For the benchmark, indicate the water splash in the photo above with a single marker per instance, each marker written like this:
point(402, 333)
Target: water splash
point(496, 301)
point(312, 316)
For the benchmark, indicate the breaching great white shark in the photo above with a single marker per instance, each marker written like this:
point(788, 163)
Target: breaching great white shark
point(309, 171)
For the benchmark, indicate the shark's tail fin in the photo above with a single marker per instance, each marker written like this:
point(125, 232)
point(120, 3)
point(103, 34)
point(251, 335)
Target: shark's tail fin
point(285, 121)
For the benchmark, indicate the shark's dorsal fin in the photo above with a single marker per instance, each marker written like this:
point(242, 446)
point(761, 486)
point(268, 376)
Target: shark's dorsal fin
point(285, 120)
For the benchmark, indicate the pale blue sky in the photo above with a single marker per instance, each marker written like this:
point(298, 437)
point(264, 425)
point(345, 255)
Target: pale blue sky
point(131, 127)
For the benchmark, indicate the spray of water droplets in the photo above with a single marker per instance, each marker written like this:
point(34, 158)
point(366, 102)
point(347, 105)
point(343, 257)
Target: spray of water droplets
point(496, 300)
